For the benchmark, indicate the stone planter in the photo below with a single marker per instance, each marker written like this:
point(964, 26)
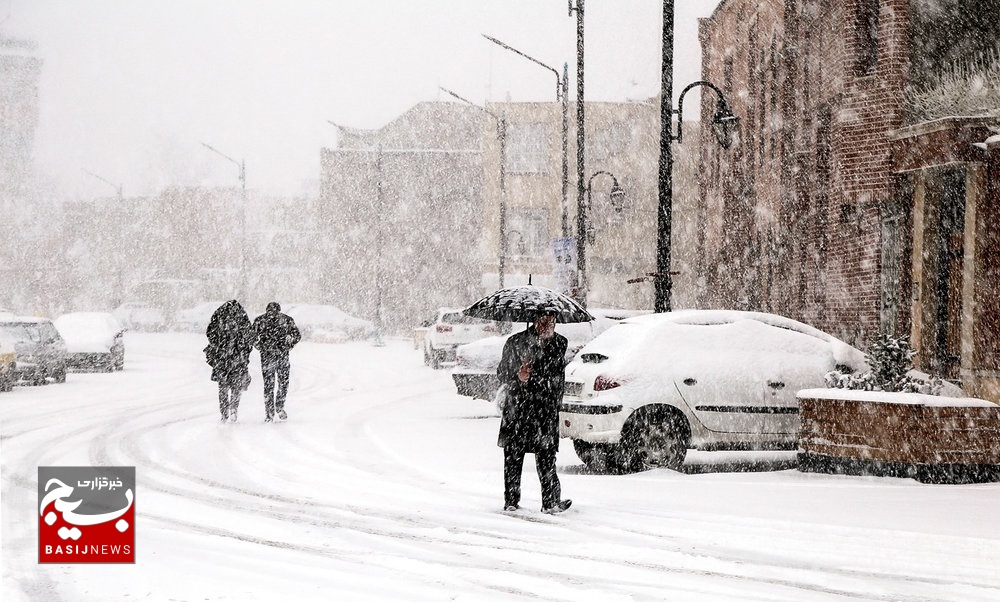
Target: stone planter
point(933, 439)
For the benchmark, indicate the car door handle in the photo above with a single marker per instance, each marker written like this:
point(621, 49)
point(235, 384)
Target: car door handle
point(776, 385)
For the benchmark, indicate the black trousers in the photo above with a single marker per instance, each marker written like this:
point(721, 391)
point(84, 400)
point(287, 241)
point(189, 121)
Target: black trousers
point(275, 370)
point(229, 399)
point(545, 464)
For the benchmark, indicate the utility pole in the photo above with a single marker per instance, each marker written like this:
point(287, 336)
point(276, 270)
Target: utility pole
point(662, 283)
point(581, 209)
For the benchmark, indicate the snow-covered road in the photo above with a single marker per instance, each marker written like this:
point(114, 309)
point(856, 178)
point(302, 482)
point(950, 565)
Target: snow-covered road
point(386, 485)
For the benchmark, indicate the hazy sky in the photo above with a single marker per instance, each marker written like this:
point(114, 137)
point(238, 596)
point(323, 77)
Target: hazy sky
point(131, 88)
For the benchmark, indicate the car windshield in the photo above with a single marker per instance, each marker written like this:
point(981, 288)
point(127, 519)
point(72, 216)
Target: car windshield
point(22, 332)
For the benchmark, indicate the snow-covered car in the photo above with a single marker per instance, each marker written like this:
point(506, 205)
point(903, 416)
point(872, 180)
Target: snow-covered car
point(327, 323)
point(8, 363)
point(39, 350)
point(195, 319)
point(475, 371)
point(94, 340)
point(450, 329)
point(139, 315)
point(642, 393)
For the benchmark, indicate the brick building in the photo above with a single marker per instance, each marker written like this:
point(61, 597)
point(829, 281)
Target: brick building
point(845, 202)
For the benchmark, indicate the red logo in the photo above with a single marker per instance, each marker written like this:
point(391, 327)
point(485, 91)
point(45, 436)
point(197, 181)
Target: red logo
point(86, 514)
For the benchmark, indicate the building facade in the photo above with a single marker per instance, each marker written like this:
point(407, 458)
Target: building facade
point(399, 215)
point(622, 145)
point(846, 202)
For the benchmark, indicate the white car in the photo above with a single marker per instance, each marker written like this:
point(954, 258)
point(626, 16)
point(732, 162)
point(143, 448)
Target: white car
point(94, 340)
point(138, 315)
point(645, 391)
point(475, 372)
point(450, 329)
point(327, 323)
point(196, 319)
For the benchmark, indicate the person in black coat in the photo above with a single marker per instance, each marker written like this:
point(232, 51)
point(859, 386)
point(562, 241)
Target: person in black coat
point(274, 334)
point(228, 353)
point(532, 369)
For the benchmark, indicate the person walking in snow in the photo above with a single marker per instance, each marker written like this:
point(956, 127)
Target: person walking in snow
point(230, 340)
point(532, 371)
point(274, 334)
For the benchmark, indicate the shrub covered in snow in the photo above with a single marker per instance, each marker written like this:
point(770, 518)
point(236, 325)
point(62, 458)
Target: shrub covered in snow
point(966, 88)
point(891, 361)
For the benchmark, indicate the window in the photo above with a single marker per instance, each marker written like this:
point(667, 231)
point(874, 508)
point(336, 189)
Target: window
point(527, 233)
point(608, 141)
point(866, 36)
point(527, 148)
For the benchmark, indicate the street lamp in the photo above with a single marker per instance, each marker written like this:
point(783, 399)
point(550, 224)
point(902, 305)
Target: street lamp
point(617, 197)
point(581, 257)
point(562, 92)
point(501, 121)
point(723, 127)
point(117, 187)
point(243, 292)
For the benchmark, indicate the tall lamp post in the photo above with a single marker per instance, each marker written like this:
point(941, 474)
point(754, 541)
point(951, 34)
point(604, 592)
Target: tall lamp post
point(581, 255)
point(117, 187)
point(723, 127)
point(243, 288)
point(562, 93)
point(617, 195)
point(501, 121)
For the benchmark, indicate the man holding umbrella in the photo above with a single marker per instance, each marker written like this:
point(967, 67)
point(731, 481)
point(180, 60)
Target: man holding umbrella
point(532, 370)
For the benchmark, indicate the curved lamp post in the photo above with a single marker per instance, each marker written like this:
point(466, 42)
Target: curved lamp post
point(501, 121)
point(723, 126)
point(244, 290)
point(585, 233)
point(562, 93)
point(723, 121)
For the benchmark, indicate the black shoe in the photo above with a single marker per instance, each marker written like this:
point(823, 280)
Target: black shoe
point(269, 419)
point(559, 507)
point(510, 508)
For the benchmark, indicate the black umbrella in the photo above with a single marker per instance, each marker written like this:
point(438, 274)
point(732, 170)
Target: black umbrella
point(526, 304)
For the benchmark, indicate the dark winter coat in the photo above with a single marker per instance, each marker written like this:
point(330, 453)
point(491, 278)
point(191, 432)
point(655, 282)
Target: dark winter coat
point(274, 334)
point(229, 343)
point(530, 419)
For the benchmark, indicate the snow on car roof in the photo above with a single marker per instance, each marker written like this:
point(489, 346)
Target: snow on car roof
point(842, 352)
point(696, 336)
point(12, 319)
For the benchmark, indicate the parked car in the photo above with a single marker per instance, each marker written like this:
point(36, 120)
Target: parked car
point(94, 341)
point(8, 363)
point(196, 319)
point(152, 305)
point(39, 350)
point(475, 372)
point(450, 329)
point(642, 393)
point(139, 315)
point(328, 323)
